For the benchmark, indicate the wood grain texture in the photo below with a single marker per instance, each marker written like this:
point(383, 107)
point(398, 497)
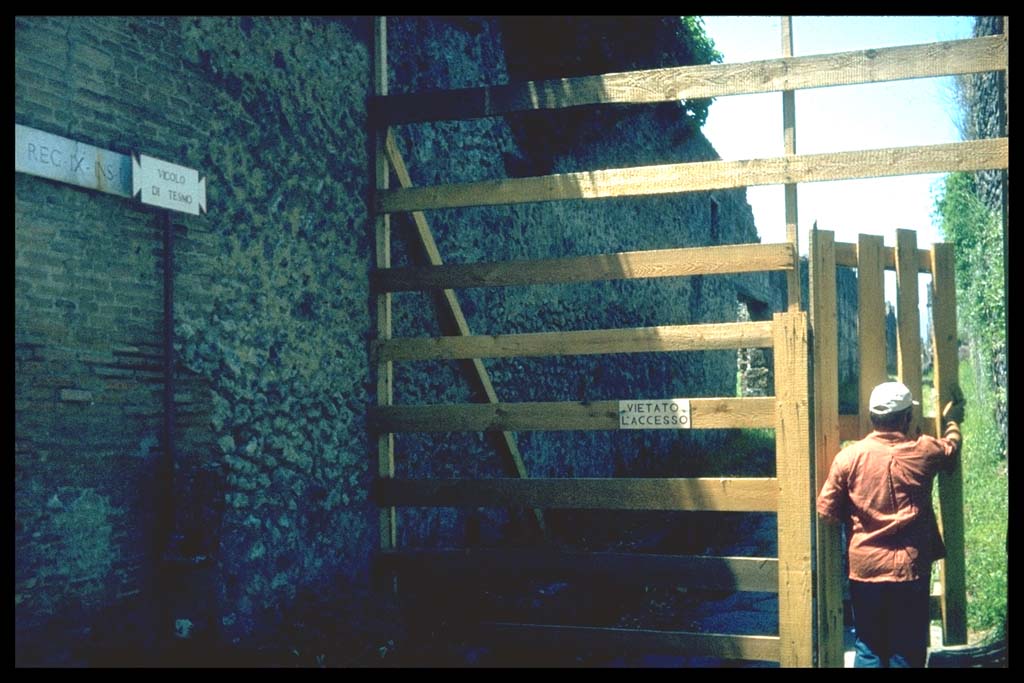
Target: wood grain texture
point(705, 413)
point(382, 240)
point(794, 469)
point(973, 55)
point(823, 308)
point(453, 322)
point(639, 641)
point(714, 494)
point(945, 346)
point(908, 319)
point(790, 191)
point(629, 265)
point(580, 343)
point(973, 155)
point(846, 255)
point(871, 348)
point(695, 572)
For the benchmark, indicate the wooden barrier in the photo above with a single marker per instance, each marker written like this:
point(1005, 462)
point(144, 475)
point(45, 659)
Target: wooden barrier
point(872, 258)
point(805, 637)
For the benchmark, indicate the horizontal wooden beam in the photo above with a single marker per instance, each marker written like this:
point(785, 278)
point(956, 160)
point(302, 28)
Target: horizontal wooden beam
point(646, 641)
point(670, 84)
point(758, 574)
point(846, 255)
point(713, 494)
point(580, 342)
point(629, 265)
point(705, 413)
point(973, 155)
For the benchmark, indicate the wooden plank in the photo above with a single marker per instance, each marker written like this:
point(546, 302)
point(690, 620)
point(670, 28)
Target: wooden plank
point(641, 641)
point(628, 265)
point(382, 238)
point(908, 319)
point(455, 323)
point(670, 84)
point(789, 148)
point(705, 413)
point(794, 469)
point(871, 349)
point(580, 342)
point(846, 255)
point(695, 572)
point(823, 308)
point(945, 347)
point(973, 155)
point(713, 494)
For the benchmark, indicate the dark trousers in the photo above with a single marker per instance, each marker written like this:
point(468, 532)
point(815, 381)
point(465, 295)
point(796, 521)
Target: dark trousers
point(891, 621)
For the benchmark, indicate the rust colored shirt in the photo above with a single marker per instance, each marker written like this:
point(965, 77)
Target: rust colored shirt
point(881, 488)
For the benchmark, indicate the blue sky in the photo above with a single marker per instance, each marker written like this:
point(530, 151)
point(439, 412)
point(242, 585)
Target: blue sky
point(896, 114)
point(845, 118)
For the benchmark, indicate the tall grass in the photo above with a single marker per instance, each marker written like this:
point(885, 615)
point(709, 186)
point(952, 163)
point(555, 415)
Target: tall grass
point(986, 515)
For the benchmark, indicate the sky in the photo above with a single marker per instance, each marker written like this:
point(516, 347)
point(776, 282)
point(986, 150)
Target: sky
point(844, 118)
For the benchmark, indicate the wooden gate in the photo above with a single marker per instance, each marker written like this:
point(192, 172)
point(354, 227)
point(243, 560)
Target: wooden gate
point(805, 637)
point(871, 259)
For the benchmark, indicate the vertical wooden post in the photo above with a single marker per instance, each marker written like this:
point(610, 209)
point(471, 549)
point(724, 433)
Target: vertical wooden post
point(951, 494)
point(382, 236)
point(789, 147)
point(870, 322)
point(796, 502)
point(908, 318)
point(825, 338)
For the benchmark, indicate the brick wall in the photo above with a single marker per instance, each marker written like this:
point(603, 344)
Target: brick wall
point(89, 329)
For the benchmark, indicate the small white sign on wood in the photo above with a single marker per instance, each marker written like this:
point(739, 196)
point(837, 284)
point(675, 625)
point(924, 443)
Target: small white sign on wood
point(669, 413)
point(168, 185)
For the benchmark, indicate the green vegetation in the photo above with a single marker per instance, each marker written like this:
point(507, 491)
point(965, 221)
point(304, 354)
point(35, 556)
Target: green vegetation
point(986, 513)
point(702, 48)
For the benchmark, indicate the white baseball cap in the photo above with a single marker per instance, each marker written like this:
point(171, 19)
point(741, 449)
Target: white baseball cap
point(890, 397)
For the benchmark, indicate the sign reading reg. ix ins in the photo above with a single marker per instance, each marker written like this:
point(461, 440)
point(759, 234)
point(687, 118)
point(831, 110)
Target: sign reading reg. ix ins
point(157, 182)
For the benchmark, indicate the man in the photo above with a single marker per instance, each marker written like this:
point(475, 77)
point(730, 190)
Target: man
point(881, 488)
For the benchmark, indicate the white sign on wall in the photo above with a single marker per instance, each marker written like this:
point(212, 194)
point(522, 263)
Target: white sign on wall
point(46, 155)
point(168, 185)
point(670, 413)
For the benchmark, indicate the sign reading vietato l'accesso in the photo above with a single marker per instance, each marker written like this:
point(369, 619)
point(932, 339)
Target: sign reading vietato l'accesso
point(58, 158)
point(168, 185)
point(670, 413)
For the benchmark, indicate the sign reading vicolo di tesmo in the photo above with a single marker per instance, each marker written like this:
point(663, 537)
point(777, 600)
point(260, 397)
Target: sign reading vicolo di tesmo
point(670, 413)
point(58, 158)
point(168, 185)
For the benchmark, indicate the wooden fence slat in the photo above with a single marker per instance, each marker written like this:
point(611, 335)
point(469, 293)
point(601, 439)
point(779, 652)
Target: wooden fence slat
point(973, 155)
point(871, 349)
point(669, 84)
point(695, 572)
point(455, 323)
point(382, 238)
point(714, 494)
point(945, 346)
point(846, 255)
point(790, 191)
point(580, 342)
point(646, 641)
point(823, 309)
point(908, 319)
point(689, 261)
point(794, 471)
point(705, 413)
